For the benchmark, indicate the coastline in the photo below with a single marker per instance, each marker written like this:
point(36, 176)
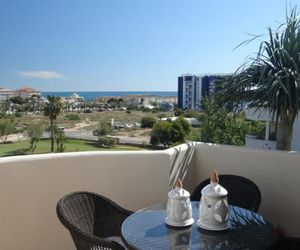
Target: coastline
point(91, 95)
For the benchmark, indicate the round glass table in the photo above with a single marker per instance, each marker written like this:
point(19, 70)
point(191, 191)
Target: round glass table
point(146, 229)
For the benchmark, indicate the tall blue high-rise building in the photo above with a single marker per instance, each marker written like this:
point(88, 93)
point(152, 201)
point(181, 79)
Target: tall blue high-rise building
point(188, 91)
point(192, 88)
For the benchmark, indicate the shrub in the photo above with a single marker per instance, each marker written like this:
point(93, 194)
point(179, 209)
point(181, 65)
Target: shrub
point(103, 129)
point(87, 111)
point(170, 133)
point(161, 134)
point(162, 115)
point(154, 140)
point(18, 114)
point(34, 132)
point(104, 141)
point(60, 140)
point(177, 133)
point(185, 125)
point(73, 117)
point(7, 126)
point(220, 126)
point(191, 113)
point(146, 109)
point(179, 112)
point(148, 122)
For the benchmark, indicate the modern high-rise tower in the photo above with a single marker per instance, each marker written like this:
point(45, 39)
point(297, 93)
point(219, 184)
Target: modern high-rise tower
point(192, 88)
point(188, 91)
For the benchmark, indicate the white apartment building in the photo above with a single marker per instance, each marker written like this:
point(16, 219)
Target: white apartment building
point(26, 92)
point(5, 94)
point(74, 98)
point(252, 141)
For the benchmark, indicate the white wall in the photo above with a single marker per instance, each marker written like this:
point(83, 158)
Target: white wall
point(30, 187)
point(276, 173)
point(253, 142)
point(296, 135)
point(258, 115)
point(264, 115)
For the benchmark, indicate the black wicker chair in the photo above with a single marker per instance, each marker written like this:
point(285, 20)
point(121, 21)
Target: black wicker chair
point(242, 192)
point(94, 221)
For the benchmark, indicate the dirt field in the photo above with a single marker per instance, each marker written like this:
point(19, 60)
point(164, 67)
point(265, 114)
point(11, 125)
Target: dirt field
point(89, 121)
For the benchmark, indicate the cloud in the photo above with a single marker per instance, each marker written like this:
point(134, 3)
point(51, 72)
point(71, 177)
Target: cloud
point(43, 74)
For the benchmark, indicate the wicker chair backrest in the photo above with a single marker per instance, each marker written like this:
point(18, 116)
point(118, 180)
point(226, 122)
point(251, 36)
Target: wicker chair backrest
point(242, 192)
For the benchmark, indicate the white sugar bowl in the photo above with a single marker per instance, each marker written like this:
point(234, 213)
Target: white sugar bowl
point(213, 209)
point(179, 207)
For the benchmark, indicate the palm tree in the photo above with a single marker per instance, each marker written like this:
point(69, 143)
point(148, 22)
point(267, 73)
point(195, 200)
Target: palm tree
point(52, 109)
point(271, 79)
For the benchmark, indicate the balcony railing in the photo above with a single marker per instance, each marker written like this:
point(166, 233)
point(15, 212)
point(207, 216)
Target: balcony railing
point(30, 186)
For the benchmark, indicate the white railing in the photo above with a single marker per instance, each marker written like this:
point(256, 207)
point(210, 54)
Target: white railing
point(30, 186)
point(275, 172)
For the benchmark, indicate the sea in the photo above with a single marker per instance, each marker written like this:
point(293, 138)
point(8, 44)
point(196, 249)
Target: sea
point(91, 95)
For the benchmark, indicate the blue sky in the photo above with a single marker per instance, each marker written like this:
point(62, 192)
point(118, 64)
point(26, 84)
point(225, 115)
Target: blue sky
point(126, 45)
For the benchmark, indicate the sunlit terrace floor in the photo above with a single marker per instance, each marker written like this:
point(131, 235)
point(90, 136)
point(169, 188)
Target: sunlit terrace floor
point(30, 186)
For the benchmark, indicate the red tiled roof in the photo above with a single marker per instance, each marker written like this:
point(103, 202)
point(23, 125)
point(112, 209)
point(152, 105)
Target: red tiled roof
point(26, 90)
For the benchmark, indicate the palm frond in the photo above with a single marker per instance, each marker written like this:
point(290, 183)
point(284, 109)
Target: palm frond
point(270, 79)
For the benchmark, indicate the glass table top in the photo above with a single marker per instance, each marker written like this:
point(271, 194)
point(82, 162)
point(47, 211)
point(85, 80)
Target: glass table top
point(146, 229)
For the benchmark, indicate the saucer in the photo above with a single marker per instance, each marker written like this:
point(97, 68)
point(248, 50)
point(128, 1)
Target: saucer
point(221, 228)
point(179, 224)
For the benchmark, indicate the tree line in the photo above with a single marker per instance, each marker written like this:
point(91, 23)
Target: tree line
point(34, 130)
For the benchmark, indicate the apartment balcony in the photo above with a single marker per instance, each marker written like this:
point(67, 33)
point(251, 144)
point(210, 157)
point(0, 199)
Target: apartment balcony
point(30, 186)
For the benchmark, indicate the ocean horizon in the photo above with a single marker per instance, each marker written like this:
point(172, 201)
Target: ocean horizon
point(91, 95)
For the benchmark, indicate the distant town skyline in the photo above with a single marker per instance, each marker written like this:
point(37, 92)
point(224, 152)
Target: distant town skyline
point(126, 45)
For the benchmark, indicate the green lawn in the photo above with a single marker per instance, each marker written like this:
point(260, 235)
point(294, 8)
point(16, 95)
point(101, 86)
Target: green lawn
point(22, 147)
